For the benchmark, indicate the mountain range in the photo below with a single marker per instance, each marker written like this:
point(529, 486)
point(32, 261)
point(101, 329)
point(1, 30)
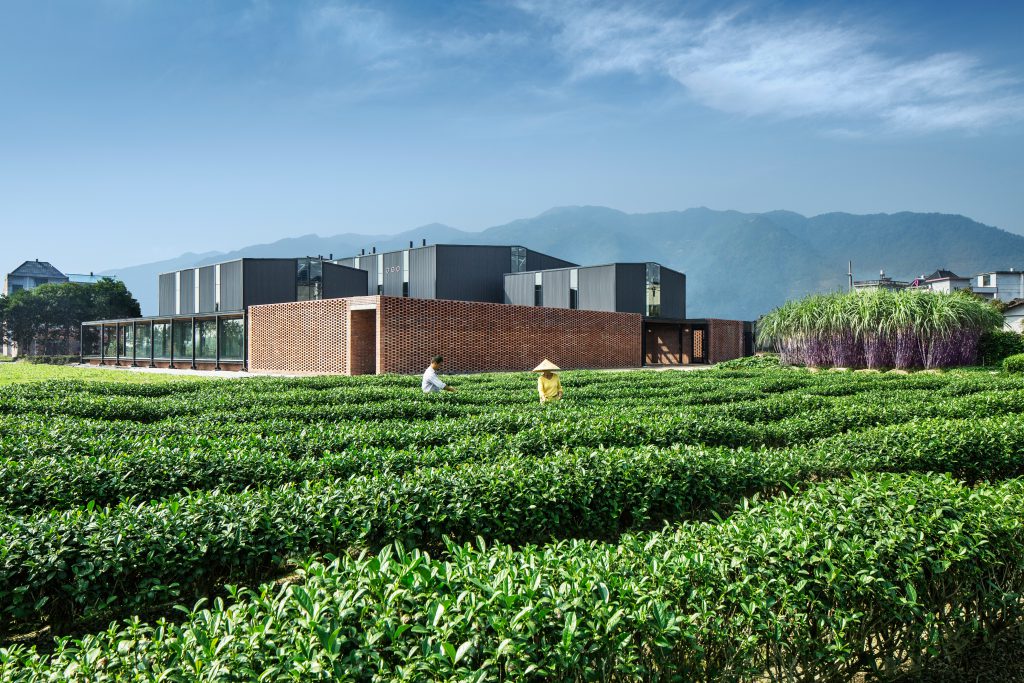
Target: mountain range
point(737, 265)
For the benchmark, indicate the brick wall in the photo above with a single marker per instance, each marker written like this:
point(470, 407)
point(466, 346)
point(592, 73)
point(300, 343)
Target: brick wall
point(476, 337)
point(725, 340)
point(305, 336)
point(314, 336)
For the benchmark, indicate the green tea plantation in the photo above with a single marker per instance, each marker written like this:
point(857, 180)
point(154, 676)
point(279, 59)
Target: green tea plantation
point(747, 523)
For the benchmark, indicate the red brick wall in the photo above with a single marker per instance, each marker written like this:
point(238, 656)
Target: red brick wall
point(725, 340)
point(362, 340)
point(313, 336)
point(477, 337)
point(305, 336)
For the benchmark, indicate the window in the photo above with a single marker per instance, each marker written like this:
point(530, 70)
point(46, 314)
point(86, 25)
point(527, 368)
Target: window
point(109, 341)
point(538, 289)
point(216, 295)
point(309, 279)
point(380, 274)
point(90, 340)
point(16, 288)
point(653, 290)
point(182, 338)
point(231, 339)
point(574, 288)
point(124, 340)
point(143, 339)
point(518, 259)
point(206, 339)
point(161, 340)
point(405, 273)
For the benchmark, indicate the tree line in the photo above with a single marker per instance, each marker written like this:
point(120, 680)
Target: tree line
point(47, 320)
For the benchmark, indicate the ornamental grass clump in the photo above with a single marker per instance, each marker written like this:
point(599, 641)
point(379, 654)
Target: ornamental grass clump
point(879, 329)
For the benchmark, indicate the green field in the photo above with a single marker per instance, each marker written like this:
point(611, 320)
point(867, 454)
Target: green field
point(11, 373)
point(749, 524)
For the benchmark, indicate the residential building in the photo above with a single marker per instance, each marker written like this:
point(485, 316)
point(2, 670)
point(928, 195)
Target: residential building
point(941, 280)
point(999, 285)
point(30, 275)
point(1013, 316)
point(883, 282)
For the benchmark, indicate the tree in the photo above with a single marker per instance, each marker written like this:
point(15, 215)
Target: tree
point(47, 320)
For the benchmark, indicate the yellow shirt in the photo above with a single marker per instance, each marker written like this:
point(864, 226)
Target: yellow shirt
point(549, 389)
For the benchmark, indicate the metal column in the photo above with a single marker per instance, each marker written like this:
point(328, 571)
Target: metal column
point(193, 342)
point(135, 343)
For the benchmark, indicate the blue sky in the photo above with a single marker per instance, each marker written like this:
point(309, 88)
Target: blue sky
point(134, 130)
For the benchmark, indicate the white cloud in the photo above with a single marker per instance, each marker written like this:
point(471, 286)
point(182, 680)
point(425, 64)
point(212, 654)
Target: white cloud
point(783, 68)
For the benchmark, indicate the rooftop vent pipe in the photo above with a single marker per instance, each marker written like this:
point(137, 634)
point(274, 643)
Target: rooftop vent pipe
point(424, 241)
point(410, 244)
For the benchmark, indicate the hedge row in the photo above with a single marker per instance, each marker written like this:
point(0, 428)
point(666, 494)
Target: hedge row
point(93, 561)
point(874, 575)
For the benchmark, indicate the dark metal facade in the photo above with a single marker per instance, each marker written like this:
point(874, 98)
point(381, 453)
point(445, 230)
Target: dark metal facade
point(268, 281)
point(615, 287)
point(340, 281)
point(463, 272)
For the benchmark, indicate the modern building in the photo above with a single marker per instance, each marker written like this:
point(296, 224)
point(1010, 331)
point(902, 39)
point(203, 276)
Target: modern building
point(645, 288)
point(30, 275)
point(484, 307)
point(233, 286)
point(457, 272)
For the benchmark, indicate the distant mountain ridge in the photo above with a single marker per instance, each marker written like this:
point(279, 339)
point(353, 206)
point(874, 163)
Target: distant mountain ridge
point(737, 265)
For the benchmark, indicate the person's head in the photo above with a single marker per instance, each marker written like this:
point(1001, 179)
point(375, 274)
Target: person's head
point(548, 374)
point(436, 361)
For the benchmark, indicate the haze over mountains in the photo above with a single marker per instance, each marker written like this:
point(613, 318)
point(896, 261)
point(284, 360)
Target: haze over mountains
point(737, 265)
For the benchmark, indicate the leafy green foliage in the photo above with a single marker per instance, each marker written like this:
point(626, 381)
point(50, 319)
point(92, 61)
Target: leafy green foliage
point(119, 499)
point(1014, 364)
point(995, 345)
point(859, 574)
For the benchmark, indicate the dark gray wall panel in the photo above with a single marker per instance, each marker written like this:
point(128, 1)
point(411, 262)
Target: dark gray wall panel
point(188, 291)
point(538, 261)
point(597, 288)
point(393, 273)
point(519, 289)
point(166, 294)
point(231, 286)
point(556, 289)
point(472, 272)
point(673, 294)
point(631, 287)
point(340, 281)
point(207, 289)
point(268, 281)
point(423, 272)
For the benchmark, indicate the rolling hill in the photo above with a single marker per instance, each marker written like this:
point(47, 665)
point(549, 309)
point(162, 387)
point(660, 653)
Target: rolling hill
point(738, 265)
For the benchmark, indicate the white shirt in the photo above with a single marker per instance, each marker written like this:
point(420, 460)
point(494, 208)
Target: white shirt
point(431, 382)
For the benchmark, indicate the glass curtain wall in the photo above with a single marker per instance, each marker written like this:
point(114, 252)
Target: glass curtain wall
point(206, 339)
point(653, 290)
point(109, 341)
point(232, 338)
point(161, 340)
point(309, 279)
point(182, 338)
point(143, 339)
point(518, 259)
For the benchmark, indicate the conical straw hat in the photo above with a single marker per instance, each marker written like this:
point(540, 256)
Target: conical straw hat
point(545, 365)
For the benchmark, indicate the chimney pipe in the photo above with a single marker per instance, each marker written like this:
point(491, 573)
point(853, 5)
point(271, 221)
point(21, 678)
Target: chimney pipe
point(410, 244)
point(330, 257)
point(362, 252)
point(373, 250)
point(424, 241)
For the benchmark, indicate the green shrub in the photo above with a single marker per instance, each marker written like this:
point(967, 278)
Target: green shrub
point(877, 575)
point(7, 359)
point(762, 361)
point(52, 360)
point(1014, 364)
point(996, 345)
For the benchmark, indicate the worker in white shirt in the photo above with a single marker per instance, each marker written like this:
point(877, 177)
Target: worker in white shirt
point(431, 382)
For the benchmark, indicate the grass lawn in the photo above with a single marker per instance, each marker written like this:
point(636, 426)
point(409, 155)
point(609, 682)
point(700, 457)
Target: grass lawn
point(11, 373)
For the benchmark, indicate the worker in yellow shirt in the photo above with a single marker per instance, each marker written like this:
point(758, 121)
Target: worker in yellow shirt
point(548, 385)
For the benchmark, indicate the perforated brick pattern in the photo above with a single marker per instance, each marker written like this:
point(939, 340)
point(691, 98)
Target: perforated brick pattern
point(305, 336)
point(725, 340)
